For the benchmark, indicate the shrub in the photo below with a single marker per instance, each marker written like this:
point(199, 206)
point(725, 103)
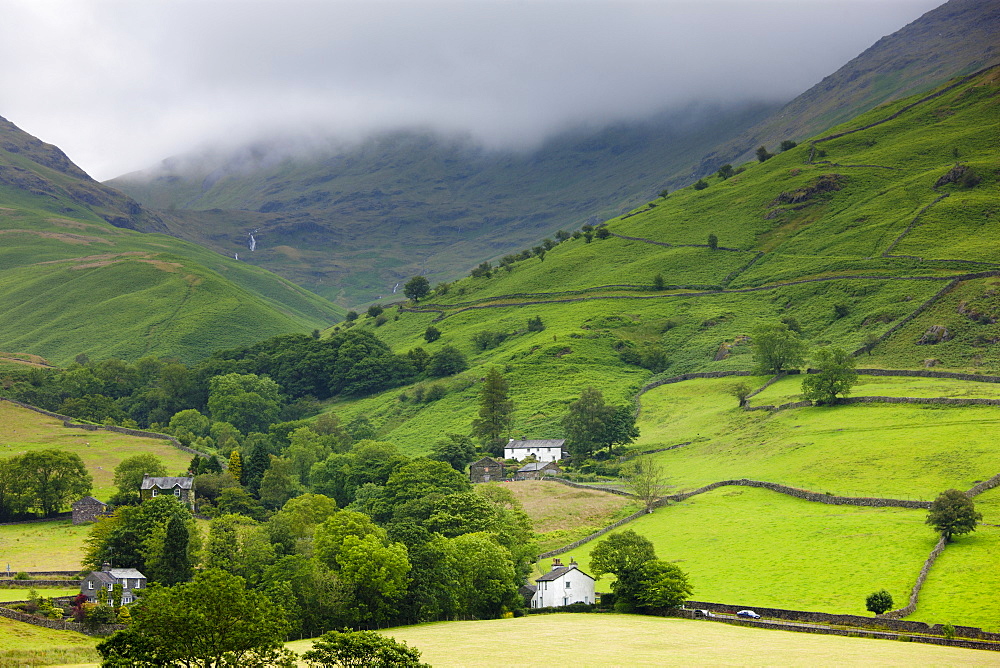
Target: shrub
point(713, 241)
point(948, 631)
point(602, 233)
point(432, 334)
point(482, 271)
point(763, 155)
point(435, 392)
point(22, 576)
point(787, 145)
point(535, 324)
point(375, 310)
point(700, 184)
point(658, 282)
point(381, 320)
point(351, 316)
point(487, 339)
point(879, 602)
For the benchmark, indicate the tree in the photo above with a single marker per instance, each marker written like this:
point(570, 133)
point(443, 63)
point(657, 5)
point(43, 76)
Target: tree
point(254, 467)
point(446, 362)
point(375, 310)
point(535, 324)
point(124, 537)
point(53, 478)
point(623, 555)
point(236, 465)
point(713, 242)
point(645, 479)
point(663, 193)
point(348, 649)
point(836, 376)
point(487, 580)
point(953, 512)
point(739, 390)
point(247, 401)
point(417, 288)
point(591, 424)
point(496, 411)
point(662, 585)
point(725, 171)
point(763, 155)
point(457, 450)
point(879, 601)
point(169, 560)
point(602, 232)
point(432, 334)
point(788, 145)
point(214, 621)
point(777, 348)
point(130, 471)
point(700, 184)
point(280, 483)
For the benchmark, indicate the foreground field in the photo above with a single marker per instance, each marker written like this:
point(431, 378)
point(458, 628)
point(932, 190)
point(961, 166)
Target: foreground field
point(29, 645)
point(22, 430)
point(625, 640)
point(21, 593)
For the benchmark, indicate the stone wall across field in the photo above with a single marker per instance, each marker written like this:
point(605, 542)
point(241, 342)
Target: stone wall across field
point(915, 592)
point(59, 624)
point(68, 422)
point(876, 622)
point(832, 499)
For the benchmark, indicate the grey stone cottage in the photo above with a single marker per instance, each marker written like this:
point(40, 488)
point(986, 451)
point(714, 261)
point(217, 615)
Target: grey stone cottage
point(181, 487)
point(106, 579)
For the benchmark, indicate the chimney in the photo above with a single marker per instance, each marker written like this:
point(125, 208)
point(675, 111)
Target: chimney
point(556, 563)
point(572, 562)
point(105, 566)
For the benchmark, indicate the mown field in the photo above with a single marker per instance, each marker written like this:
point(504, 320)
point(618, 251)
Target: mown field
point(8, 593)
point(22, 430)
point(626, 640)
point(29, 645)
point(42, 546)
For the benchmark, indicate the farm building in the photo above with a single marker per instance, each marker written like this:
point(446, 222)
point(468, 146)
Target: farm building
point(563, 585)
point(129, 578)
point(537, 470)
point(88, 509)
point(485, 470)
point(181, 487)
point(544, 450)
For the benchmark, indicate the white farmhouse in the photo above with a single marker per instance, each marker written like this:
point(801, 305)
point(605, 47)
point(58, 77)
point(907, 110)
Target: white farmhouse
point(545, 450)
point(563, 585)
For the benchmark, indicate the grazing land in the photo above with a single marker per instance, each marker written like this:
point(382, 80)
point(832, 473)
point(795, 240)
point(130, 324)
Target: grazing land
point(22, 430)
point(562, 514)
point(21, 645)
point(21, 593)
point(42, 546)
point(627, 640)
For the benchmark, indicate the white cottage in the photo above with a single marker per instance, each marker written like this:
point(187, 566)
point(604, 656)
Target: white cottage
point(544, 450)
point(563, 585)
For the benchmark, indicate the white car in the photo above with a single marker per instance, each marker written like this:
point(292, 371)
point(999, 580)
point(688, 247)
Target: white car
point(748, 613)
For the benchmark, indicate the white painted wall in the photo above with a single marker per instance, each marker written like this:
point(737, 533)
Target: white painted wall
point(574, 586)
point(544, 455)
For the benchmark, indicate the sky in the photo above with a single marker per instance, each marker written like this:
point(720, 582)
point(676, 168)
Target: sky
point(120, 85)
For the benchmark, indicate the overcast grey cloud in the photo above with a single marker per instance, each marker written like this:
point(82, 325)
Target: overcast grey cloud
point(121, 84)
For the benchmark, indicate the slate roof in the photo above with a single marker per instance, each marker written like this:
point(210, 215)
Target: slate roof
point(557, 573)
point(130, 573)
point(534, 466)
point(89, 500)
point(167, 482)
point(538, 443)
point(486, 461)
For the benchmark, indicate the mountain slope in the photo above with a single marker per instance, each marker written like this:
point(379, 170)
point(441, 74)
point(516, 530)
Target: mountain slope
point(73, 282)
point(351, 222)
point(959, 37)
point(871, 242)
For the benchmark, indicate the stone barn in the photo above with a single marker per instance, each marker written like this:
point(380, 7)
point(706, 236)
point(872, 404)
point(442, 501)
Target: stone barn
point(486, 469)
point(88, 509)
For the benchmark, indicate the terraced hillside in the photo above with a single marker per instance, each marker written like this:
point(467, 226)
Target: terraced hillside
point(75, 283)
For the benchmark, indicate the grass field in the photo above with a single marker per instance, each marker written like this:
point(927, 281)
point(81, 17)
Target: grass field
point(750, 546)
point(790, 388)
point(22, 430)
point(21, 645)
point(625, 640)
point(888, 450)
point(21, 593)
point(42, 546)
point(562, 514)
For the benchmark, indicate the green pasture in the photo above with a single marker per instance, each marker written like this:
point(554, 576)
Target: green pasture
point(22, 430)
point(631, 640)
point(789, 389)
point(42, 546)
point(21, 593)
point(21, 645)
point(887, 450)
point(750, 546)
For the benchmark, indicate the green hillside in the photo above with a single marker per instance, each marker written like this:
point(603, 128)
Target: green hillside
point(74, 283)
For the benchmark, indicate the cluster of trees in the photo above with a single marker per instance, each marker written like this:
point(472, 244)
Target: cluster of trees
point(643, 583)
point(778, 347)
point(378, 539)
point(230, 386)
point(216, 620)
point(43, 482)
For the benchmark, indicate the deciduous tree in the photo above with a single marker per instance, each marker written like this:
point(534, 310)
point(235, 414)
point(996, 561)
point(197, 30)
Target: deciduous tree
point(879, 601)
point(623, 555)
point(836, 376)
point(361, 649)
point(777, 348)
point(417, 288)
point(953, 513)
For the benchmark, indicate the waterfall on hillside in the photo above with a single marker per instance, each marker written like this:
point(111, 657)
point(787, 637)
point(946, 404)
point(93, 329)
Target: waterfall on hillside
point(236, 256)
point(394, 288)
point(252, 241)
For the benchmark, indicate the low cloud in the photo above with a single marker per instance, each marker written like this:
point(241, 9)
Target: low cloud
point(119, 85)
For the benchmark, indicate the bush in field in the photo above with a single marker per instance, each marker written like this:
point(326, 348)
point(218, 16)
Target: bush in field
point(879, 601)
